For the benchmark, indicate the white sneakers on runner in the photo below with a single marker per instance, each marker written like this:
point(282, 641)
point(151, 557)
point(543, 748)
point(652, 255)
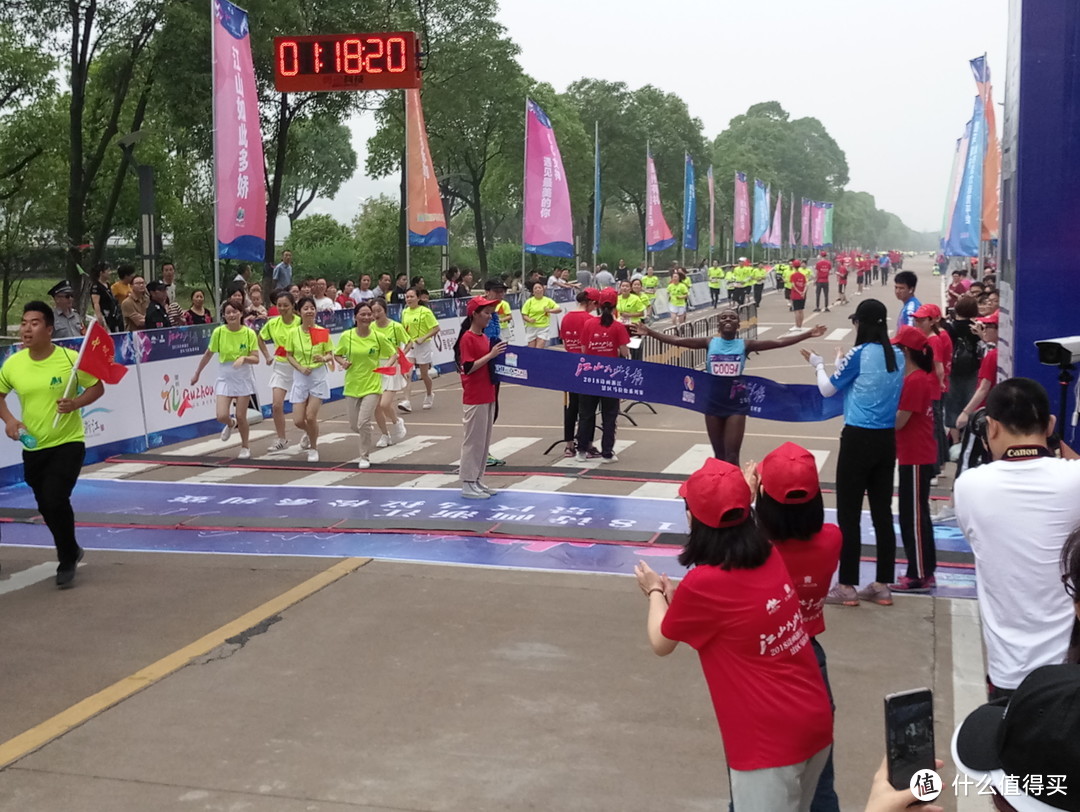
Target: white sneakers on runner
point(429, 401)
point(398, 432)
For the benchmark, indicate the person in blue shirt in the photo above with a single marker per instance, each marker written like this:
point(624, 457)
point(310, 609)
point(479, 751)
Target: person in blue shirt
point(904, 287)
point(728, 401)
point(871, 377)
point(883, 268)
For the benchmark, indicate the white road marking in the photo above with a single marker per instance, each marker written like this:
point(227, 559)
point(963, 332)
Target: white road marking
point(762, 330)
point(404, 448)
point(839, 334)
point(214, 446)
point(321, 479)
point(547, 484)
point(219, 474)
point(431, 481)
point(501, 449)
point(120, 470)
point(570, 462)
point(820, 457)
point(27, 577)
point(968, 680)
point(657, 490)
point(690, 460)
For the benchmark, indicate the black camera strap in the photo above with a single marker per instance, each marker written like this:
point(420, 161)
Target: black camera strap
point(1026, 452)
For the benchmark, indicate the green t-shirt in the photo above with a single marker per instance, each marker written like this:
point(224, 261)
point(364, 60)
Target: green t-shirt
point(678, 293)
point(632, 308)
point(304, 351)
point(276, 331)
point(716, 277)
point(650, 283)
point(537, 309)
point(394, 333)
point(364, 354)
point(233, 344)
point(418, 321)
point(39, 384)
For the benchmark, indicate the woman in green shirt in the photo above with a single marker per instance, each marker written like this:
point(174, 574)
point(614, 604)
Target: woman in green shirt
point(360, 352)
point(237, 350)
point(308, 350)
point(421, 326)
point(638, 289)
point(391, 424)
point(276, 330)
point(631, 307)
point(536, 313)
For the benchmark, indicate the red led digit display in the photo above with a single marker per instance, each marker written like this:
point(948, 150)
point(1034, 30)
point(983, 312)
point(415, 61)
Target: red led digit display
point(383, 61)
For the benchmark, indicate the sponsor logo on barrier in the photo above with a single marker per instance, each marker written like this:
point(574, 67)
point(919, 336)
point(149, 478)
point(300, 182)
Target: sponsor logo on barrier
point(177, 398)
point(511, 359)
point(444, 339)
point(512, 372)
point(688, 395)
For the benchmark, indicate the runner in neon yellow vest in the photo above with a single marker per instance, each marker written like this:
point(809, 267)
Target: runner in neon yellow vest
point(716, 283)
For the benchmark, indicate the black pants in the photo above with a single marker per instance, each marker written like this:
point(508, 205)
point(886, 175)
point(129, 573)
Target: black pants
point(51, 474)
point(737, 295)
point(714, 295)
point(916, 529)
point(609, 411)
point(759, 291)
point(865, 466)
point(822, 287)
point(570, 414)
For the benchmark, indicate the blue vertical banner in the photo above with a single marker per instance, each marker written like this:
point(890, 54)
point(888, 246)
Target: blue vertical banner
point(597, 206)
point(966, 225)
point(761, 211)
point(689, 239)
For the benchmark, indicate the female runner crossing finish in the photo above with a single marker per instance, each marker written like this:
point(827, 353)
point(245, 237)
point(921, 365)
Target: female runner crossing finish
point(727, 354)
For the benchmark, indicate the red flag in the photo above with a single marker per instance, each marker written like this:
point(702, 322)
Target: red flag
point(99, 355)
point(319, 335)
point(404, 364)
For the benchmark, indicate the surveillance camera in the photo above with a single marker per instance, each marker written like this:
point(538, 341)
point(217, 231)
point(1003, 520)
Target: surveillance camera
point(1059, 351)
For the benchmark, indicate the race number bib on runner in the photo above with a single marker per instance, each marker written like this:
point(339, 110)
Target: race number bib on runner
point(725, 369)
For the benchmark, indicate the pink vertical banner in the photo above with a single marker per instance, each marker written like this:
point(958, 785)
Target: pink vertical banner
point(424, 209)
point(742, 210)
point(804, 236)
point(817, 224)
point(657, 234)
point(238, 156)
point(791, 223)
point(548, 226)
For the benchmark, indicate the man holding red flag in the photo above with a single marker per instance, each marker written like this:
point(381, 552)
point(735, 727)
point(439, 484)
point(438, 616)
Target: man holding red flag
point(51, 429)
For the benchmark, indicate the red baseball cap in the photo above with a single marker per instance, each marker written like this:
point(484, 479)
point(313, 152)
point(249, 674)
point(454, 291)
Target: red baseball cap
point(608, 296)
point(716, 488)
point(910, 337)
point(796, 263)
point(928, 311)
point(593, 294)
point(477, 302)
point(991, 319)
point(824, 254)
point(789, 475)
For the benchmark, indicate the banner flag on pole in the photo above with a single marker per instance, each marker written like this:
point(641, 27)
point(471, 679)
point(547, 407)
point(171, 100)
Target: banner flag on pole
point(775, 237)
point(965, 229)
point(238, 154)
point(423, 202)
point(791, 223)
point(597, 205)
point(991, 204)
point(690, 207)
point(761, 210)
point(959, 156)
point(804, 235)
point(657, 234)
point(549, 227)
point(817, 223)
point(712, 212)
point(742, 210)
point(826, 238)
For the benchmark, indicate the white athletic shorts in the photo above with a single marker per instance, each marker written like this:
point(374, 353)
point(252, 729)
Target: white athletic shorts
point(316, 385)
point(532, 332)
point(281, 376)
point(234, 383)
point(677, 310)
point(422, 353)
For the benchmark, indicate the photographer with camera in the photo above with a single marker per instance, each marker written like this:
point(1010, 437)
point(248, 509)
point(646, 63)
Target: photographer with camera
point(1016, 512)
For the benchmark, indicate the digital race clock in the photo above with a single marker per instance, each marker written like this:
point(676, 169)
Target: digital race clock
point(383, 61)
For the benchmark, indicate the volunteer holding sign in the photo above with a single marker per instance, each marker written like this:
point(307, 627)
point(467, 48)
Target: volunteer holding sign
point(726, 421)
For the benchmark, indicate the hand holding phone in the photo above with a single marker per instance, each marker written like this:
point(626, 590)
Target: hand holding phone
point(909, 735)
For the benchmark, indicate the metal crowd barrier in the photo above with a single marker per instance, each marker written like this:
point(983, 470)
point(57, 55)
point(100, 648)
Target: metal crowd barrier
point(705, 327)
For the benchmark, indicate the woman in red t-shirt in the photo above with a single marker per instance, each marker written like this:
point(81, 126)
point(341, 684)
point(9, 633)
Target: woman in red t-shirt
point(791, 512)
point(738, 608)
point(609, 339)
point(473, 353)
point(570, 332)
point(916, 454)
point(928, 321)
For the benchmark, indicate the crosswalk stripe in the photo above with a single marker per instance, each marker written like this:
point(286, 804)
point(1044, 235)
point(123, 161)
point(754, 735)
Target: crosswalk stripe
point(570, 462)
point(27, 577)
point(322, 478)
point(500, 449)
point(405, 447)
point(294, 451)
point(430, 481)
point(208, 447)
point(219, 474)
point(820, 458)
point(762, 330)
point(839, 334)
point(119, 470)
point(542, 483)
point(658, 490)
point(690, 460)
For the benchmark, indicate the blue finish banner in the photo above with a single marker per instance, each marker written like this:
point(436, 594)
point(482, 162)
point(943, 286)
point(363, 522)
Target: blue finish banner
point(689, 239)
point(665, 384)
point(965, 229)
point(761, 211)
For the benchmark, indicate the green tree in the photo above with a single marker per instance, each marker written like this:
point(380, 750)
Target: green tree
point(315, 230)
point(320, 158)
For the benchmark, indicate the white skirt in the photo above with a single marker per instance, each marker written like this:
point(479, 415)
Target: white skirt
point(316, 384)
point(395, 382)
point(532, 332)
point(234, 383)
point(677, 310)
point(422, 353)
point(281, 376)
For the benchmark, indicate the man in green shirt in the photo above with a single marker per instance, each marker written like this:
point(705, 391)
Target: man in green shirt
point(716, 283)
point(54, 448)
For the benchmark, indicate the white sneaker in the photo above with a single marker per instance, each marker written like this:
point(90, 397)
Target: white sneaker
point(934, 480)
point(383, 441)
point(399, 431)
point(946, 514)
point(582, 457)
point(313, 455)
point(608, 460)
point(245, 454)
point(279, 444)
point(305, 443)
point(489, 491)
point(226, 432)
point(363, 464)
point(405, 406)
point(470, 490)
point(429, 401)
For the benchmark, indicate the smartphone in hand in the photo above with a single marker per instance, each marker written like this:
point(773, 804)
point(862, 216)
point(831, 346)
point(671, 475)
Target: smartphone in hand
point(909, 735)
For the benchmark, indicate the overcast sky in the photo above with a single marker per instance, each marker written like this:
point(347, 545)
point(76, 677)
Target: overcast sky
point(889, 80)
